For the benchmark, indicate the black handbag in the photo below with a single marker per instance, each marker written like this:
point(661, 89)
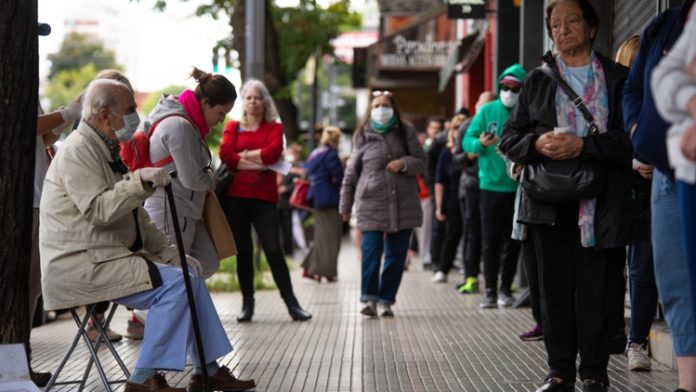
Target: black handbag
point(223, 177)
point(575, 179)
point(554, 181)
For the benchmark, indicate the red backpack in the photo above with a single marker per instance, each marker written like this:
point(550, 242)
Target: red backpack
point(135, 153)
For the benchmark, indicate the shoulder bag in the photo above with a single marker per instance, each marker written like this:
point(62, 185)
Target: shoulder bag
point(555, 181)
point(223, 176)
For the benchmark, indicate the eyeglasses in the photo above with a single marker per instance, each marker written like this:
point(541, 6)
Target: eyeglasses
point(508, 88)
point(378, 93)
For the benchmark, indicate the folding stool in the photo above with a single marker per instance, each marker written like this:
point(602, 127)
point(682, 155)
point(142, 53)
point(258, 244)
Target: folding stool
point(93, 349)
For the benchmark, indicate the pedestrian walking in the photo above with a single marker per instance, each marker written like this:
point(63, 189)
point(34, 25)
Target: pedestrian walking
point(380, 180)
point(325, 173)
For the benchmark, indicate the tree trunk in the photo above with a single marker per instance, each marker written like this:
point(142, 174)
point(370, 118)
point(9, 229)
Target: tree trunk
point(19, 70)
point(274, 75)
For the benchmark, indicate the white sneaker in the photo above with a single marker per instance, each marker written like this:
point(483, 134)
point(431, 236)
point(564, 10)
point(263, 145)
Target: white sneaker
point(370, 309)
point(638, 359)
point(386, 311)
point(439, 277)
point(505, 299)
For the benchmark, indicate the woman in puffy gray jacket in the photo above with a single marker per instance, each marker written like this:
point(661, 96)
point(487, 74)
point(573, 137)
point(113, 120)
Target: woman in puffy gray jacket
point(380, 180)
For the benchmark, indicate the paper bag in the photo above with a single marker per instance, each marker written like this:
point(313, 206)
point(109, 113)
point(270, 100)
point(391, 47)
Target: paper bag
point(218, 228)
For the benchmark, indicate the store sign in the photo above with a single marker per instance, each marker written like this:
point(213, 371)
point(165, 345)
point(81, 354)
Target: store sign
point(400, 52)
point(466, 9)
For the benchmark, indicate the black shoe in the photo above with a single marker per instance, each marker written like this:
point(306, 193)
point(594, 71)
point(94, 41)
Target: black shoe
point(247, 312)
point(298, 314)
point(593, 386)
point(40, 378)
point(556, 385)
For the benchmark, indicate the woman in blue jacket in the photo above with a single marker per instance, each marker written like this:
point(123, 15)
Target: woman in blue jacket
point(325, 173)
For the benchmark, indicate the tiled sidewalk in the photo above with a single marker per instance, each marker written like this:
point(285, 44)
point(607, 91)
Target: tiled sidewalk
point(438, 341)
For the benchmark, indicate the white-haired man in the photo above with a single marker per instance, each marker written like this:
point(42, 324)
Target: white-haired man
point(97, 243)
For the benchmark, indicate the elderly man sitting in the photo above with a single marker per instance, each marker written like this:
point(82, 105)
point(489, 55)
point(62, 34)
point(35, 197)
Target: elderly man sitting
point(97, 243)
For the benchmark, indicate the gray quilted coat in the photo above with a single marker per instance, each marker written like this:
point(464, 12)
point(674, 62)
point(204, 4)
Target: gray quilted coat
point(384, 201)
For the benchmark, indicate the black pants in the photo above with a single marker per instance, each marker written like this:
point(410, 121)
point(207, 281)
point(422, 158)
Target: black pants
point(532, 271)
point(500, 252)
point(453, 234)
point(437, 239)
point(285, 219)
point(471, 226)
point(241, 214)
point(573, 284)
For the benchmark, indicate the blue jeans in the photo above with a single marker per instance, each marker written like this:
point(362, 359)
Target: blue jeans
point(383, 287)
point(687, 196)
point(643, 291)
point(669, 253)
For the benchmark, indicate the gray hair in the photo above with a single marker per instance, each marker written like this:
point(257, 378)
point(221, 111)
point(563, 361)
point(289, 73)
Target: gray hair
point(100, 94)
point(114, 74)
point(270, 113)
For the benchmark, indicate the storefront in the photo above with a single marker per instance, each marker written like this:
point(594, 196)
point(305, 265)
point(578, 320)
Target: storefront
point(407, 61)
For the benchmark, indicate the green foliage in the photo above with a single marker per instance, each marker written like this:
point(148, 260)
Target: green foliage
point(215, 136)
point(68, 84)
point(226, 277)
point(78, 50)
point(154, 97)
point(308, 29)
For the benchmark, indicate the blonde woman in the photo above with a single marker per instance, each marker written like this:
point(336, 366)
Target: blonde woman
point(325, 173)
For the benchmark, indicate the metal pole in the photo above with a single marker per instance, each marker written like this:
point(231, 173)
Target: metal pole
point(315, 101)
point(255, 21)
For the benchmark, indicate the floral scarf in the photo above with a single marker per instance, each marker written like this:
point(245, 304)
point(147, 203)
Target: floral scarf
point(596, 98)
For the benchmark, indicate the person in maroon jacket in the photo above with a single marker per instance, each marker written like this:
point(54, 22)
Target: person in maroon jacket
point(248, 147)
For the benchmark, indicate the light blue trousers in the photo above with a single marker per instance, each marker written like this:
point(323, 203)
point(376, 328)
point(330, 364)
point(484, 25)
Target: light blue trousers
point(169, 332)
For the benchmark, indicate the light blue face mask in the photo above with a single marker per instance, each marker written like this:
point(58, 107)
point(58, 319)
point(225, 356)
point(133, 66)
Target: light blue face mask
point(130, 125)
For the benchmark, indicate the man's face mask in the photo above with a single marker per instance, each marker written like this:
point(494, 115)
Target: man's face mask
point(130, 125)
point(509, 97)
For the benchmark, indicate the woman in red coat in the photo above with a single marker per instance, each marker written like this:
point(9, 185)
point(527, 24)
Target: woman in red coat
point(248, 147)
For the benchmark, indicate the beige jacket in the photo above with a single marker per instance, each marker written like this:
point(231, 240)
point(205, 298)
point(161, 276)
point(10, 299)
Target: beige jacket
point(87, 226)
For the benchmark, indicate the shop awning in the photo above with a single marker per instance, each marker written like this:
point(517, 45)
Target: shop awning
point(462, 57)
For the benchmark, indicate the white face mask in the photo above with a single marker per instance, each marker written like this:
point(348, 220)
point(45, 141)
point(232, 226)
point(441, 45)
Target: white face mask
point(382, 114)
point(509, 99)
point(130, 125)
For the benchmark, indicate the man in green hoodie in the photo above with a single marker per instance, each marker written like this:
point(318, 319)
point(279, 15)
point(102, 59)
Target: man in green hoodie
point(498, 190)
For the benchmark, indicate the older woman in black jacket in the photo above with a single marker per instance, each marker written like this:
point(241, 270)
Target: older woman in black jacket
point(579, 244)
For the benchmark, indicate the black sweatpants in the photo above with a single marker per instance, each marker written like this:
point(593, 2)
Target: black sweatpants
point(453, 234)
point(500, 252)
point(470, 209)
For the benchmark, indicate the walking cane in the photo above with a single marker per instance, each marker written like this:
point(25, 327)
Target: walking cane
point(187, 282)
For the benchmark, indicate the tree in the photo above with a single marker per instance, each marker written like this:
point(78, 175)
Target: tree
point(154, 97)
point(74, 65)
point(68, 84)
point(78, 50)
point(19, 70)
point(306, 31)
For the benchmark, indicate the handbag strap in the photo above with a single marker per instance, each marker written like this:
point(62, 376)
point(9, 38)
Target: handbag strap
point(575, 98)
